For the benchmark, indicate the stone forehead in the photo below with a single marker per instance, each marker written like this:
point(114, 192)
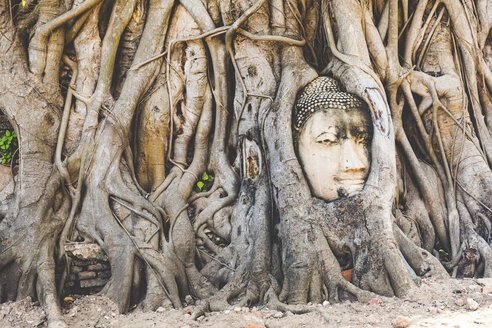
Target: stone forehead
point(323, 93)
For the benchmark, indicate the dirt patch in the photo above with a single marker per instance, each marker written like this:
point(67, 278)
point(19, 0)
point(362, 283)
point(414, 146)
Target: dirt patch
point(453, 303)
point(22, 314)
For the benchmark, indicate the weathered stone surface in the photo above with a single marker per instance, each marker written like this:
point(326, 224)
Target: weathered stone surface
point(86, 251)
point(90, 269)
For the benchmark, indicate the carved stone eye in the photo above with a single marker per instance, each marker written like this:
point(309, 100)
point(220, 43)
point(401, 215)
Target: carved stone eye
point(326, 138)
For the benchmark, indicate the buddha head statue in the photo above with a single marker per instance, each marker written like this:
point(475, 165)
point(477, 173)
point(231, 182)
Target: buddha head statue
point(333, 132)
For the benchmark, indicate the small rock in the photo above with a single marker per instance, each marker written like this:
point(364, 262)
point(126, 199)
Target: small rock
point(487, 285)
point(189, 300)
point(187, 315)
point(227, 311)
point(460, 302)
point(475, 288)
point(200, 318)
point(288, 313)
point(401, 322)
point(326, 303)
point(160, 309)
point(471, 304)
point(433, 310)
point(278, 315)
point(74, 311)
point(376, 301)
point(245, 309)
point(237, 309)
point(187, 326)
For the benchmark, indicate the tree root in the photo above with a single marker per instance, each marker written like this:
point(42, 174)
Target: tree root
point(273, 303)
point(474, 240)
point(315, 239)
point(423, 262)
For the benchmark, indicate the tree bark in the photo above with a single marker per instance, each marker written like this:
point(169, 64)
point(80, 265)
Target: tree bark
point(172, 147)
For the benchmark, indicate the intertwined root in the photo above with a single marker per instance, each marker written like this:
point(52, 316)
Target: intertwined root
point(263, 42)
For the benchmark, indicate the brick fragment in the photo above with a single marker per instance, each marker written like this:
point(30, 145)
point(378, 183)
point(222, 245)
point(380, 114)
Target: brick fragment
point(80, 263)
point(99, 282)
point(85, 275)
point(95, 267)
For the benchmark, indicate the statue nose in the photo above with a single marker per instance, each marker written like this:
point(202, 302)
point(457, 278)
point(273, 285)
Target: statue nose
point(352, 157)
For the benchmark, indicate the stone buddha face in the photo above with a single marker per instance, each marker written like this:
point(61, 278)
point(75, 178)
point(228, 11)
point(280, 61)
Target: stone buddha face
point(333, 142)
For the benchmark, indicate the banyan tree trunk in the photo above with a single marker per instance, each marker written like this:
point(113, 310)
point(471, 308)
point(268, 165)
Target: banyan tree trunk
point(163, 131)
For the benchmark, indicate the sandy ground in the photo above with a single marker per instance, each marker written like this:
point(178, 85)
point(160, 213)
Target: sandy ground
point(453, 303)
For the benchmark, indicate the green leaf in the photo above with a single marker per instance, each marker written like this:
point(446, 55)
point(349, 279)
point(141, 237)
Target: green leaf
point(200, 185)
point(205, 176)
point(3, 147)
point(14, 134)
point(3, 160)
point(7, 133)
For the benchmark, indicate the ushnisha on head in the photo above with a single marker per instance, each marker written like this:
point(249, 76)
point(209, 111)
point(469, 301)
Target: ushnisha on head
point(333, 134)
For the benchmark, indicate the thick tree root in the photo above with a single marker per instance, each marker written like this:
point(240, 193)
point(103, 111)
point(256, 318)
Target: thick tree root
point(204, 122)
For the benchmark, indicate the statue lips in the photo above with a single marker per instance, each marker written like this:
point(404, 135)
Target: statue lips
point(350, 184)
point(351, 180)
